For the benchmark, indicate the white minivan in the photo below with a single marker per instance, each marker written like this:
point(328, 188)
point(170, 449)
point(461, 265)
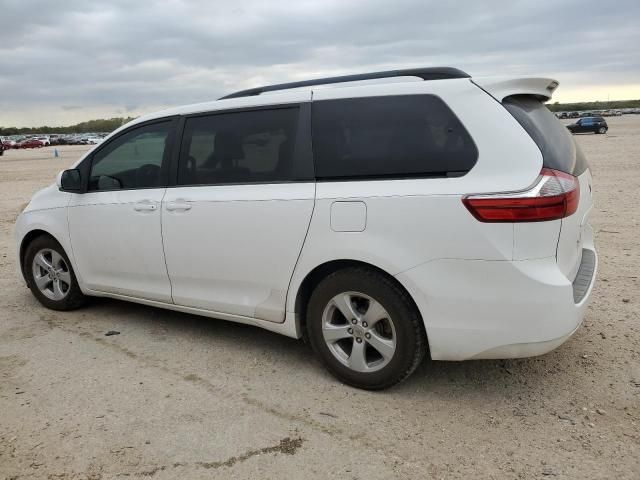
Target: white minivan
point(379, 216)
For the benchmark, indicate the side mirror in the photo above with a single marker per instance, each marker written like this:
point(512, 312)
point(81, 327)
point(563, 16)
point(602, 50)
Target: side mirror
point(70, 181)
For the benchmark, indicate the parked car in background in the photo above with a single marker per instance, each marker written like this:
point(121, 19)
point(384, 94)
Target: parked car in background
point(66, 140)
point(589, 124)
point(1, 147)
point(93, 140)
point(7, 143)
point(30, 143)
point(382, 222)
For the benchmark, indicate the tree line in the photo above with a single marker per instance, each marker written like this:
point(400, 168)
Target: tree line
point(101, 125)
point(612, 105)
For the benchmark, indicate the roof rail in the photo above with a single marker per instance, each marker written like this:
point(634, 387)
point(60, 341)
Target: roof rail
point(433, 73)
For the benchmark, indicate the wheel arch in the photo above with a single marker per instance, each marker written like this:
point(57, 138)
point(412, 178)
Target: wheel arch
point(315, 276)
point(29, 237)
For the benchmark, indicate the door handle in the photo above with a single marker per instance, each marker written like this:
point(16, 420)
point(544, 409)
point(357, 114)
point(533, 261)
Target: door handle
point(179, 205)
point(145, 206)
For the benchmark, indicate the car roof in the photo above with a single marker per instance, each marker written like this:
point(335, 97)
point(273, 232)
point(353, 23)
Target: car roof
point(406, 81)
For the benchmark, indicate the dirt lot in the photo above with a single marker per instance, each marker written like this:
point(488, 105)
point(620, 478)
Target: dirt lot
point(179, 396)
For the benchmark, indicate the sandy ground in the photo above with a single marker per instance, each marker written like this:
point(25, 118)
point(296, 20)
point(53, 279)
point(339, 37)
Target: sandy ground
point(179, 396)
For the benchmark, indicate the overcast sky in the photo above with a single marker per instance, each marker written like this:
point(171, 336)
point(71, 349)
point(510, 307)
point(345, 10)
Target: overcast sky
point(72, 60)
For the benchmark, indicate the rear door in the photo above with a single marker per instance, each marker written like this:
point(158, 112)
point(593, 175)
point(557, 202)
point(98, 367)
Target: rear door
point(235, 220)
point(560, 152)
point(600, 122)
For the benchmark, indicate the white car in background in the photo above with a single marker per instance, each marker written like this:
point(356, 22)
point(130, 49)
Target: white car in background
point(380, 220)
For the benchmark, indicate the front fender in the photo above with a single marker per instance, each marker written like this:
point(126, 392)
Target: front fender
point(51, 221)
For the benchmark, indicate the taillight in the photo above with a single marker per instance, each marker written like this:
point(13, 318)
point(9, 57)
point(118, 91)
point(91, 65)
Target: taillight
point(555, 195)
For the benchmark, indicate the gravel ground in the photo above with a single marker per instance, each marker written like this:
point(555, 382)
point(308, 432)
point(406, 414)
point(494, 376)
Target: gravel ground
point(179, 396)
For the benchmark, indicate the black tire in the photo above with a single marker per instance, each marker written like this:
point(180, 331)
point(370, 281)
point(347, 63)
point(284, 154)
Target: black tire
point(74, 298)
point(602, 130)
point(410, 338)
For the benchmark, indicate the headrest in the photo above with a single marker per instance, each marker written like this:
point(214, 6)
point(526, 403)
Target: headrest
point(227, 146)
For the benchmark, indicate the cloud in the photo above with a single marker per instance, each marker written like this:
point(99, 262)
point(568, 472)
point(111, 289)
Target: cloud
point(141, 56)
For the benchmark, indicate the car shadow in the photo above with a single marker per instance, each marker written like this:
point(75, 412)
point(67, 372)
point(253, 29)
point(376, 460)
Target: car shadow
point(243, 343)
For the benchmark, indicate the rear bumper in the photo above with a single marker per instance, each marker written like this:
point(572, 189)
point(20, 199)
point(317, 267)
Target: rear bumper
point(476, 309)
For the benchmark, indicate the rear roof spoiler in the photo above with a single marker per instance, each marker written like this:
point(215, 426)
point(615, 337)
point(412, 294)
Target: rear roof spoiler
point(502, 87)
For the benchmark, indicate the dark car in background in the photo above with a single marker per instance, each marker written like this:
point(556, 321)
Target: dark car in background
point(589, 124)
point(1, 147)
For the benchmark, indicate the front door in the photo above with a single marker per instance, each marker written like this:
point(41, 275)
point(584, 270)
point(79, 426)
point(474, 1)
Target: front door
point(234, 225)
point(115, 226)
point(586, 125)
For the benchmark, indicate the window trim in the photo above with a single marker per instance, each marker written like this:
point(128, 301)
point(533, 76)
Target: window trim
point(393, 177)
point(302, 153)
point(86, 165)
point(403, 176)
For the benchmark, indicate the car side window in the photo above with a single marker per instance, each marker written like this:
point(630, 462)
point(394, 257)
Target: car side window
point(239, 147)
point(389, 137)
point(136, 159)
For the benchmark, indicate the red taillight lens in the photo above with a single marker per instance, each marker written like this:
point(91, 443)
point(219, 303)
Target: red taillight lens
point(555, 195)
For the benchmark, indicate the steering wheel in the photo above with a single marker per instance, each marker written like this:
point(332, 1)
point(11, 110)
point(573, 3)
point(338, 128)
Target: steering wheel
point(148, 175)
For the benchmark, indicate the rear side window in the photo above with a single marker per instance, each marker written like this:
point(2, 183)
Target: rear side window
point(559, 150)
point(389, 137)
point(239, 147)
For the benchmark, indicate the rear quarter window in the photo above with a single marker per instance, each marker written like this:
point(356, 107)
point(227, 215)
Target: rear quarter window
point(559, 149)
point(389, 137)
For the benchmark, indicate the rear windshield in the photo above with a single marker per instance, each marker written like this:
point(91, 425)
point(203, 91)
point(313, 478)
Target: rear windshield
point(559, 150)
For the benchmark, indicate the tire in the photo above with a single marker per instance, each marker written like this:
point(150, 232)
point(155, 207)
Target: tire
point(50, 276)
point(394, 321)
point(602, 130)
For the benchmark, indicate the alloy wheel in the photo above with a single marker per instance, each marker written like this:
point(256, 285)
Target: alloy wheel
point(51, 274)
point(359, 332)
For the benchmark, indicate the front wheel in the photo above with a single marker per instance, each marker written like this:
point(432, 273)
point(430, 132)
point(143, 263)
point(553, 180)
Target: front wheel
point(50, 276)
point(602, 130)
point(365, 328)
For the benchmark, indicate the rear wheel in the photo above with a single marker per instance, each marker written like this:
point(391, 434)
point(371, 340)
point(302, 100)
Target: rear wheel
point(365, 328)
point(50, 276)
